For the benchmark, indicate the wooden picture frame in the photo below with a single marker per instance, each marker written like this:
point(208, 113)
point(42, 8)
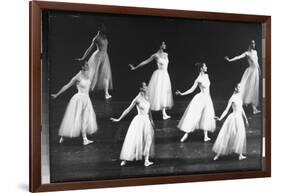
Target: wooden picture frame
point(36, 8)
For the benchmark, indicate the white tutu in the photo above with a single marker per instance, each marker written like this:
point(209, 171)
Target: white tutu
point(139, 139)
point(232, 136)
point(250, 86)
point(199, 114)
point(79, 116)
point(160, 90)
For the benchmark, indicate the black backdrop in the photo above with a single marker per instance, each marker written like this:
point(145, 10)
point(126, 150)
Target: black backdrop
point(134, 38)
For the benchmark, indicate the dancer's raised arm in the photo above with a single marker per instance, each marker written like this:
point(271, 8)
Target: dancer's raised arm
point(89, 49)
point(142, 63)
point(236, 57)
point(65, 87)
point(126, 111)
point(194, 86)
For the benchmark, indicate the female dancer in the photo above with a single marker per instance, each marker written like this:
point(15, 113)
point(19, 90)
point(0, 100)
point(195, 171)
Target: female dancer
point(99, 65)
point(79, 116)
point(139, 138)
point(159, 87)
point(250, 79)
point(200, 112)
point(232, 136)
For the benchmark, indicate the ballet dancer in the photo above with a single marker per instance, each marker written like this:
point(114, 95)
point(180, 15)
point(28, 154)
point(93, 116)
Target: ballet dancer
point(139, 139)
point(200, 112)
point(250, 79)
point(79, 117)
point(159, 87)
point(232, 136)
point(99, 64)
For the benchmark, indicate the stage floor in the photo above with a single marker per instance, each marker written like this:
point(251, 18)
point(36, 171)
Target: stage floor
point(71, 161)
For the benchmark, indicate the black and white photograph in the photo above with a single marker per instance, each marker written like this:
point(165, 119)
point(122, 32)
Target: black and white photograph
point(127, 96)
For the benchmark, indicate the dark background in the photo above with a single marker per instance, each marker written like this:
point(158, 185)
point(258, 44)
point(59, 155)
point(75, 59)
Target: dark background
point(135, 38)
point(66, 36)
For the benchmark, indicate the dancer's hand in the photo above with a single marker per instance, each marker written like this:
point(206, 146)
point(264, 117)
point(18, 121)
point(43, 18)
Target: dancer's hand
point(152, 123)
point(79, 59)
point(54, 96)
point(132, 67)
point(178, 92)
point(217, 118)
point(114, 120)
point(227, 58)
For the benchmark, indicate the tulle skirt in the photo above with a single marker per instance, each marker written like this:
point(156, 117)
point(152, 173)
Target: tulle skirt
point(79, 116)
point(139, 139)
point(232, 136)
point(100, 70)
point(160, 90)
point(250, 86)
point(199, 114)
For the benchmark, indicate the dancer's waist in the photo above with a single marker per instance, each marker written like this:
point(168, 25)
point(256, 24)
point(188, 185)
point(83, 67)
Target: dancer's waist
point(83, 93)
point(143, 115)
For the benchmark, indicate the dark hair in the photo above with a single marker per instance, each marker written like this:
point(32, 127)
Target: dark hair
point(234, 85)
point(141, 85)
point(82, 63)
point(102, 28)
point(199, 65)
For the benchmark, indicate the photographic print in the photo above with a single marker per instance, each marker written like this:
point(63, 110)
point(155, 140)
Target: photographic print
point(127, 96)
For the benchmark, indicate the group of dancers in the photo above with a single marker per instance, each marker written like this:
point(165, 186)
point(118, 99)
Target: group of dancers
point(80, 118)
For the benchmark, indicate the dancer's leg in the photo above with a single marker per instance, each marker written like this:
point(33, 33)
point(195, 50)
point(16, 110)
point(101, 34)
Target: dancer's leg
point(106, 93)
point(86, 141)
point(206, 138)
point(164, 114)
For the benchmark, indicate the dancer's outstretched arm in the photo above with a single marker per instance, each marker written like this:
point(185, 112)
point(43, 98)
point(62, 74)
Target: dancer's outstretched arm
point(226, 110)
point(191, 90)
point(151, 119)
point(236, 57)
point(89, 49)
point(245, 117)
point(65, 87)
point(142, 63)
point(126, 111)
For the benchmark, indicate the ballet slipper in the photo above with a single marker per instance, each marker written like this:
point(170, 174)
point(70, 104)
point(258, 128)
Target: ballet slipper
point(216, 157)
point(241, 157)
point(107, 96)
point(123, 163)
point(148, 163)
point(61, 140)
point(87, 142)
point(165, 117)
point(184, 137)
point(256, 111)
point(207, 139)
